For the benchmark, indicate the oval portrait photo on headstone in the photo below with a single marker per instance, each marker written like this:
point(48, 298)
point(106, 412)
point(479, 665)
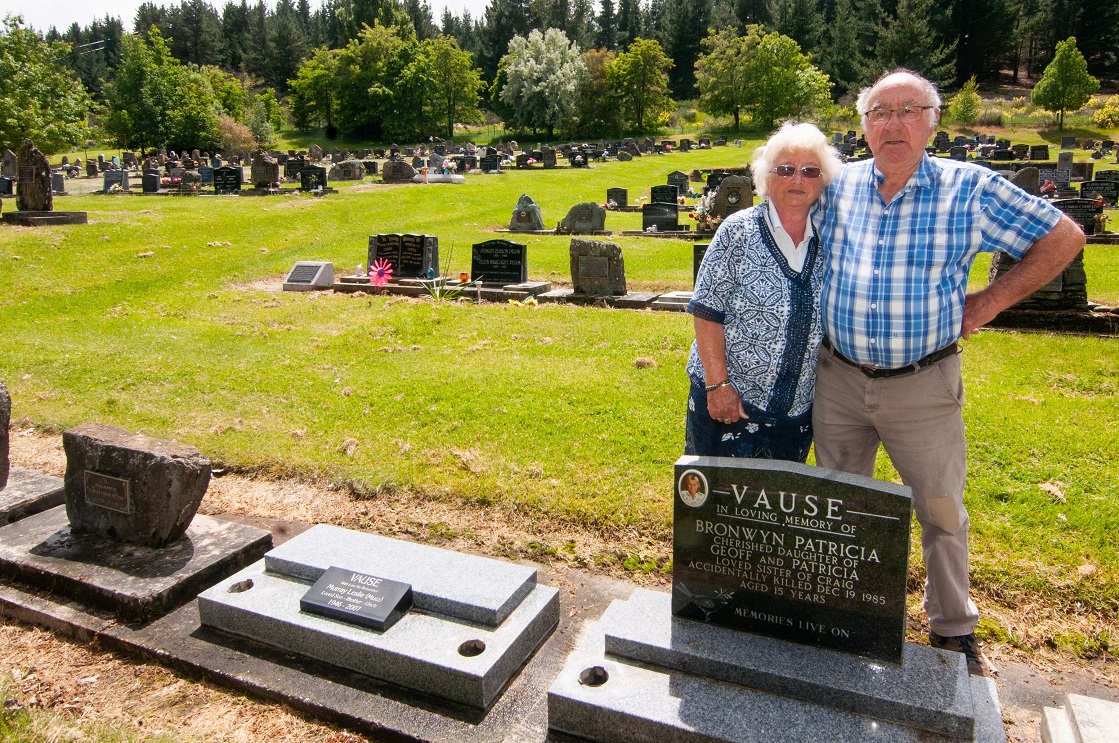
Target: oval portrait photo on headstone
point(693, 488)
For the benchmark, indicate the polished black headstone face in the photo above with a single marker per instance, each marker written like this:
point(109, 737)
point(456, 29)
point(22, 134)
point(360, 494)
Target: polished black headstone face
point(1061, 178)
point(499, 262)
point(1108, 189)
point(418, 253)
point(664, 194)
point(698, 251)
point(357, 598)
point(386, 248)
point(801, 553)
point(620, 196)
point(227, 179)
point(312, 177)
point(1081, 211)
point(664, 217)
point(714, 179)
point(1107, 175)
point(1039, 152)
point(680, 181)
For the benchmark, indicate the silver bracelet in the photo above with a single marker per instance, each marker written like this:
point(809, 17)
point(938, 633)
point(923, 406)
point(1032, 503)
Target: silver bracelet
point(713, 387)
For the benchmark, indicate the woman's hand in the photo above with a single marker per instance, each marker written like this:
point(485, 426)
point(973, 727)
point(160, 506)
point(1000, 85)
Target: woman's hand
point(725, 406)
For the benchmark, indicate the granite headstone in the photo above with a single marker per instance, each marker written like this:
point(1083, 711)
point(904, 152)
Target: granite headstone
point(526, 216)
point(499, 262)
point(597, 268)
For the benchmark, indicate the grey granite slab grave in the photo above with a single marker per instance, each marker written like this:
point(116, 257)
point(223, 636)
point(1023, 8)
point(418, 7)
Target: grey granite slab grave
point(135, 582)
point(673, 301)
point(928, 690)
point(444, 655)
point(1082, 720)
point(602, 696)
point(472, 588)
point(29, 492)
point(634, 300)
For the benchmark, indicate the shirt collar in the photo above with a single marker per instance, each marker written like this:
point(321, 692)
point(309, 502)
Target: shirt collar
point(775, 221)
point(921, 178)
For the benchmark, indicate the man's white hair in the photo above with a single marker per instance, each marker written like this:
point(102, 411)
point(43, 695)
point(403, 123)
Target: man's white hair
point(793, 137)
point(932, 97)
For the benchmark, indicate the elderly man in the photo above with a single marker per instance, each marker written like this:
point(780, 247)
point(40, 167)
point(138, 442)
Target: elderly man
point(901, 232)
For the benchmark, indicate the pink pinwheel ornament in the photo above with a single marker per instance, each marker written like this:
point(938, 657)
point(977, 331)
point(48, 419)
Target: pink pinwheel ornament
point(380, 272)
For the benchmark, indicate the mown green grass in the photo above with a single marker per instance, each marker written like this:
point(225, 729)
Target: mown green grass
point(569, 414)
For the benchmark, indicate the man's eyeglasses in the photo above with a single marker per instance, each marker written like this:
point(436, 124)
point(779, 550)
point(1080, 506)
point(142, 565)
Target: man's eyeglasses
point(788, 171)
point(909, 113)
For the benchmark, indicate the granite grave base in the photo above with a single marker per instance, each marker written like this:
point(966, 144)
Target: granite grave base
point(133, 582)
point(475, 621)
point(44, 219)
point(643, 675)
point(29, 492)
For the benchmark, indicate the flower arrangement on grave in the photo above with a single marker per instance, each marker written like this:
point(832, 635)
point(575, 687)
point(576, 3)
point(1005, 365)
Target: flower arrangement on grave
point(531, 161)
point(610, 205)
point(380, 273)
point(702, 213)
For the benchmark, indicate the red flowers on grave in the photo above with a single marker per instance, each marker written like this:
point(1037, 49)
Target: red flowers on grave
point(380, 272)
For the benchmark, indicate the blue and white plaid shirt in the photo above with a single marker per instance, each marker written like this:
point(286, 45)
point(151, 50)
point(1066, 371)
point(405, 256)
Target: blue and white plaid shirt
point(895, 275)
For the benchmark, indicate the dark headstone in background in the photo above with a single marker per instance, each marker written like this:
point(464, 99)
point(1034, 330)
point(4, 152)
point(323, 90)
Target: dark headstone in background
point(418, 255)
point(1029, 180)
point(313, 177)
point(227, 179)
point(597, 268)
point(499, 263)
point(1107, 175)
point(1109, 190)
point(664, 195)
point(620, 196)
point(1081, 211)
point(5, 420)
point(1068, 290)
point(385, 248)
point(802, 553)
point(131, 488)
point(698, 251)
point(1039, 152)
point(665, 217)
point(33, 185)
point(680, 180)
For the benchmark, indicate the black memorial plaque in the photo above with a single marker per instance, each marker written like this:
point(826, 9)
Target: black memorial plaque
point(620, 196)
point(698, 251)
point(227, 179)
point(664, 217)
point(385, 248)
point(664, 194)
point(1109, 190)
point(499, 262)
point(358, 598)
point(1081, 211)
point(108, 492)
point(418, 254)
point(800, 553)
point(312, 177)
point(1061, 178)
point(1107, 175)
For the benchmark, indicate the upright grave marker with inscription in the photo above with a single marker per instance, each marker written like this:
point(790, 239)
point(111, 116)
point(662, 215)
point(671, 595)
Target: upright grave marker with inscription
point(782, 549)
point(499, 262)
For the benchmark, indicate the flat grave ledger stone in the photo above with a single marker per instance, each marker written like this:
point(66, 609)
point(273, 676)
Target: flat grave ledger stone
point(698, 251)
point(1039, 152)
point(527, 216)
point(801, 553)
point(27, 493)
point(664, 195)
point(358, 598)
point(151, 181)
point(664, 217)
point(1081, 211)
point(1109, 190)
point(597, 268)
point(131, 488)
point(620, 196)
point(307, 276)
point(227, 179)
point(476, 620)
point(499, 263)
point(419, 257)
point(584, 219)
point(313, 177)
point(680, 181)
point(385, 248)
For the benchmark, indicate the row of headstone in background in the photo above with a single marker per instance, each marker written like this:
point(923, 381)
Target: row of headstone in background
point(410, 256)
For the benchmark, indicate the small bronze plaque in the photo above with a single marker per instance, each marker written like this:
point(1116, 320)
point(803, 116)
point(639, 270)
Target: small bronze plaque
point(108, 492)
point(593, 267)
point(26, 174)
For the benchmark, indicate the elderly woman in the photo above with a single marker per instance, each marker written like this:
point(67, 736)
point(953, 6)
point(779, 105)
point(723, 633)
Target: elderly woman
point(755, 307)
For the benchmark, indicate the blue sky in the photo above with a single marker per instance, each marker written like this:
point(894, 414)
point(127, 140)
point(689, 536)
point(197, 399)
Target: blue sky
point(43, 14)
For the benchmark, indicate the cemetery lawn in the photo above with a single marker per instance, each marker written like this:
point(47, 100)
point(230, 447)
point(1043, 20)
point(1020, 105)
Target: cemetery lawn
point(163, 316)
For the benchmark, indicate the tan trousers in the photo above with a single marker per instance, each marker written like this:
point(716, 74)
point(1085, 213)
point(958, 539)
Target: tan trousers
point(918, 418)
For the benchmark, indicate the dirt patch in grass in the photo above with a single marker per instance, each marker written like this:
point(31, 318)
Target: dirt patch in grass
point(1049, 641)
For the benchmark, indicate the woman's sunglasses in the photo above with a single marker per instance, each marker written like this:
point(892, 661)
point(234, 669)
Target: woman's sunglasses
point(788, 171)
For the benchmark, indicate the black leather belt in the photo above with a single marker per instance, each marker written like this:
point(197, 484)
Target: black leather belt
point(875, 372)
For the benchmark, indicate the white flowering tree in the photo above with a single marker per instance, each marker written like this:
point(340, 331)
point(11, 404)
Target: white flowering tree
point(541, 76)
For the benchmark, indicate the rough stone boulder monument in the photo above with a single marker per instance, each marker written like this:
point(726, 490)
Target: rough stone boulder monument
point(129, 487)
point(584, 219)
point(526, 216)
point(597, 268)
point(265, 171)
point(34, 198)
point(33, 189)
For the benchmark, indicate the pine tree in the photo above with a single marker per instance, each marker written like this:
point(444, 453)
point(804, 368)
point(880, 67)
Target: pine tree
point(607, 31)
point(913, 39)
